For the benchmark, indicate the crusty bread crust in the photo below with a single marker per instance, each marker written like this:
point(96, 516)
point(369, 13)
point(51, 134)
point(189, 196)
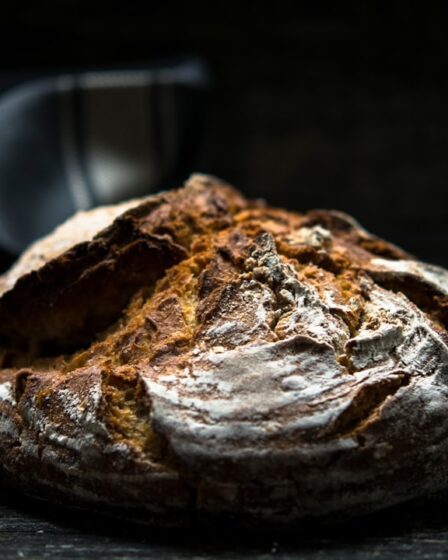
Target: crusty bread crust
point(195, 357)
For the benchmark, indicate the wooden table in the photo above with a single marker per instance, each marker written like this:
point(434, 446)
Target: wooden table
point(31, 529)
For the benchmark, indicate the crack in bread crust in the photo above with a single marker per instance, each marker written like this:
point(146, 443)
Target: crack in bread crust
point(206, 358)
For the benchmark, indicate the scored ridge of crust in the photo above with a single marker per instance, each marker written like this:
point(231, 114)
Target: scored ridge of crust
point(195, 357)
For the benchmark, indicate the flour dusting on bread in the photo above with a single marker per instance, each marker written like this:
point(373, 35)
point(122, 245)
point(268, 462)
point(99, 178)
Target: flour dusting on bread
point(195, 357)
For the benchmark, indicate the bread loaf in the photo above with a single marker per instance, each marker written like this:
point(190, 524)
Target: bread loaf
point(197, 358)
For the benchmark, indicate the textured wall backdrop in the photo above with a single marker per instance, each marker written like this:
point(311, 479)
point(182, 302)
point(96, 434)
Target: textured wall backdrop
point(343, 109)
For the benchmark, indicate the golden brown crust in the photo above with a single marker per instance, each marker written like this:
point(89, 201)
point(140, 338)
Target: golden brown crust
point(207, 358)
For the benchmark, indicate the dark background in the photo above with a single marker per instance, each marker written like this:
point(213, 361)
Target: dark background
point(342, 108)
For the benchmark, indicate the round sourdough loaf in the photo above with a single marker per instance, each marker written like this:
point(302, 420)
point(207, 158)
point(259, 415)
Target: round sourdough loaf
point(194, 358)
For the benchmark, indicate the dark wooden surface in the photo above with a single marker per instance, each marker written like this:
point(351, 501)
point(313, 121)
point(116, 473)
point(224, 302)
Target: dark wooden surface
point(31, 529)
